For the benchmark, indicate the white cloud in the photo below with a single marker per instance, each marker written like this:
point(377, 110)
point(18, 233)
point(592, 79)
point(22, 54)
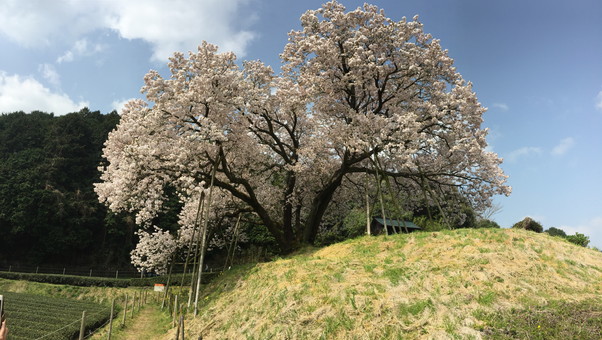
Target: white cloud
point(565, 145)
point(37, 23)
point(118, 105)
point(591, 228)
point(50, 74)
point(501, 106)
point(27, 94)
point(524, 151)
point(599, 101)
point(176, 25)
point(80, 48)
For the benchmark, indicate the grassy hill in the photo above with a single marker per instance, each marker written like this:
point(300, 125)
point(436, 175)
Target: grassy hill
point(486, 283)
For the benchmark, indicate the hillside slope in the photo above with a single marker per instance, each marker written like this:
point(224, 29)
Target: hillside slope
point(422, 285)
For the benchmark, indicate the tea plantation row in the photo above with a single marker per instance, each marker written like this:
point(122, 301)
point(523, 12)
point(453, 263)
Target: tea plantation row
point(49, 318)
point(86, 281)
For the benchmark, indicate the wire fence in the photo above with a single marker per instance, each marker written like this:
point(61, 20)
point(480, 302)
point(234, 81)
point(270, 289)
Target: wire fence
point(127, 273)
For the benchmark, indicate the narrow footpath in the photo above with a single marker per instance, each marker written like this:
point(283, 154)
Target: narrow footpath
point(147, 324)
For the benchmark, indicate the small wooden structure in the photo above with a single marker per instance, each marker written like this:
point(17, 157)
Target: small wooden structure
point(377, 226)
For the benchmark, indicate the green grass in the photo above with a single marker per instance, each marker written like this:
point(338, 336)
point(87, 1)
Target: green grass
point(555, 320)
point(458, 284)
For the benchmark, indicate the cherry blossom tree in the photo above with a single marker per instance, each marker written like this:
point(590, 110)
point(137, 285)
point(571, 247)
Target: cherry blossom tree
point(359, 94)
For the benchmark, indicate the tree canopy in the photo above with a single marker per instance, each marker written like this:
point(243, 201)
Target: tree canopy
point(359, 95)
point(49, 213)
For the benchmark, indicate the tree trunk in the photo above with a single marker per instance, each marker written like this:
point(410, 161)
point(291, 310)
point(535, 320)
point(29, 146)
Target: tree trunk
point(319, 206)
point(288, 207)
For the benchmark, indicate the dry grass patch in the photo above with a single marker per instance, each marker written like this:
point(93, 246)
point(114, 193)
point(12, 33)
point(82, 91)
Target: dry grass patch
point(421, 285)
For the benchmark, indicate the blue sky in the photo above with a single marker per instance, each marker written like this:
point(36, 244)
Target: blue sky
point(537, 66)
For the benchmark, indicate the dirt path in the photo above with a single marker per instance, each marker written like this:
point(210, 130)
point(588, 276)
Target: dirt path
point(143, 325)
point(149, 323)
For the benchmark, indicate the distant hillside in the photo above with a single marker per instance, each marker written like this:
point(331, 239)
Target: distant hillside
point(452, 284)
point(50, 215)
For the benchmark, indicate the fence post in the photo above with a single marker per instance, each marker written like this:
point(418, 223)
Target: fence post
point(182, 323)
point(175, 311)
point(133, 303)
point(178, 332)
point(82, 328)
point(63, 270)
point(37, 268)
point(125, 309)
point(90, 272)
point(10, 267)
point(117, 273)
point(111, 319)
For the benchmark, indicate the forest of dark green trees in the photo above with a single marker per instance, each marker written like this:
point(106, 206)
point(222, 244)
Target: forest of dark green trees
point(49, 213)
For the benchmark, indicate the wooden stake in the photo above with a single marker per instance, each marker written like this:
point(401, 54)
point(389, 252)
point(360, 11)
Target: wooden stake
point(133, 304)
point(182, 324)
point(82, 327)
point(175, 311)
point(125, 309)
point(111, 319)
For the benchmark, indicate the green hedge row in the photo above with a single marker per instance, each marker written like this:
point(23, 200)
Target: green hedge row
point(86, 281)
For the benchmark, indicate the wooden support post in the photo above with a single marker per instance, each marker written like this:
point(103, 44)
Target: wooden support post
point(64, 271)
point(178, 332)
point(82, 327)
point(125, 309)
point(368, 219)
point(90, 272)
point(111, 319)
point(117, 274)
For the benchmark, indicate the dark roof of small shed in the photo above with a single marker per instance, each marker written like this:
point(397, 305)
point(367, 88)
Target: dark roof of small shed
point(397, 223)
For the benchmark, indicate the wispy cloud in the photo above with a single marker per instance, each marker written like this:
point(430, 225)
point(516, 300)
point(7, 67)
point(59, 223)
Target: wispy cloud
point(591, 228)
point(500, 106)
point(26, 94)
point(563, 146)
point(168, 26)
point(80, 48)
point(118, 105)
point(50, 74)
point(599, 101)
point(522, 152)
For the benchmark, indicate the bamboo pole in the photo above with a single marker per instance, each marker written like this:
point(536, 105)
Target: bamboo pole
point(232, 244)
point(368, 219)
point(236, 234)
point(196, 249)
point(204, 238)
point(173, 258)
point(194, 228)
